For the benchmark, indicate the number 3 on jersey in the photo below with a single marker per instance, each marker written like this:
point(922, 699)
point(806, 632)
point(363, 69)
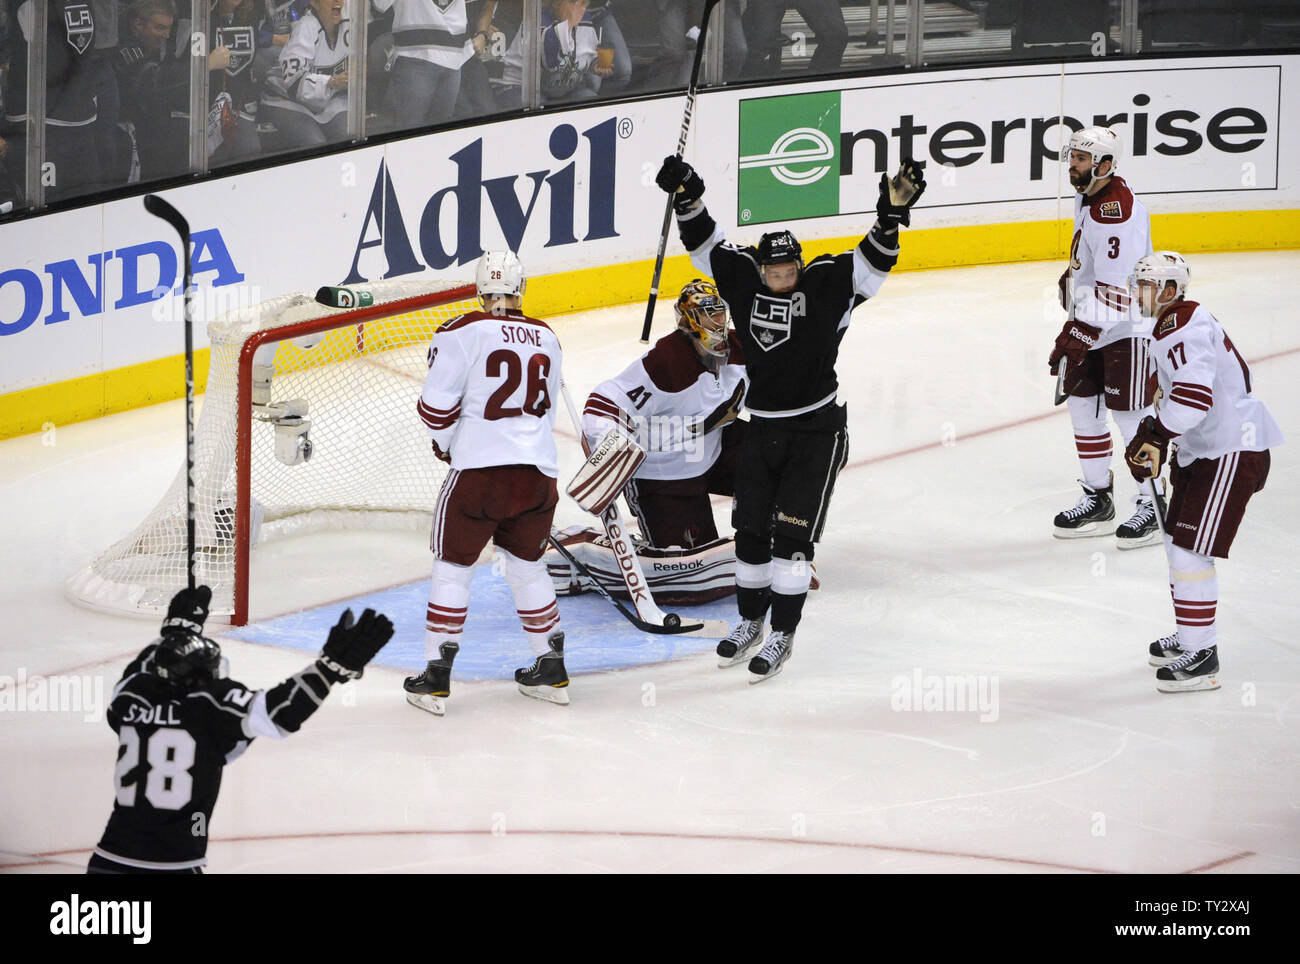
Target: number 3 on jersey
point(537, 400)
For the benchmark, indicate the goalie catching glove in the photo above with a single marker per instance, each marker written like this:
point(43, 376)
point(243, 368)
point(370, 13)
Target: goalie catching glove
point(897, 196)
point(608, 468)
point(352, 645)
point(1147, 453)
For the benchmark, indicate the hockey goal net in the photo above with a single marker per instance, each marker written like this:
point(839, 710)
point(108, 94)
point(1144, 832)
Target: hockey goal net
point(289, 378)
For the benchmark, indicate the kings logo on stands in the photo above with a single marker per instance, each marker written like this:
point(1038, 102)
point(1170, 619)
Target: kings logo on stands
point(789, 157)
point(239, 41)
point(513, 200)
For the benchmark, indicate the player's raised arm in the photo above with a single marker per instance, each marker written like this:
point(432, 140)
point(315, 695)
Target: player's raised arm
point(701, 235)
point(877, 252)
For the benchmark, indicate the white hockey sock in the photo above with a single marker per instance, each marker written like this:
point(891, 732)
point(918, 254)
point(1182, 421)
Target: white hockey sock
point(1194, 586)
point(750, 576)
point(534, 594)
point(1091, 439)
point(448, 603)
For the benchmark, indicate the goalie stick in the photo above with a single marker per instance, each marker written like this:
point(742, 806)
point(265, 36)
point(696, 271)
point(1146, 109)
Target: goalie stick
point(161, 209)
point(649, 617)
point(681, 149)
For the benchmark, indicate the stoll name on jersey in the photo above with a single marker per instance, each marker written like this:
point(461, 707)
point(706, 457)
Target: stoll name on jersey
point(132, 918)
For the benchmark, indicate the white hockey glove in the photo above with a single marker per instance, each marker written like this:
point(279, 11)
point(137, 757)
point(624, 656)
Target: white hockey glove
point(611, 465)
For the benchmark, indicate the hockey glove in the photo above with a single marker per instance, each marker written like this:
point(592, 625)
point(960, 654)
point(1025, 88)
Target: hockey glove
point(1147, 453)
point(439, 454)
point(351, 646)
point(679, 179)
point(897, 196)
point(1073, 343)
point(1064, 285)
point(188, 612)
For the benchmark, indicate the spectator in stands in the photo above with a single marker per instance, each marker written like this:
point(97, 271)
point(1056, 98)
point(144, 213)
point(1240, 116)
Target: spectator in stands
point(153, 78)
point(10, 195)
point(763, 28)
point(476, 98)
point(71, 148)
point(679, 26)
point(306, 96)
point(274, 31)
point(233, 87)
point(430, 45)
point(570, 68)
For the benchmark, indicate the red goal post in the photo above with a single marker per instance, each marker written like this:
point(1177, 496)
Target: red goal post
point(285, 376)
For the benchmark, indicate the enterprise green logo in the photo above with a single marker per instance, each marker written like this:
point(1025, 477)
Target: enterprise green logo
point(789, 157)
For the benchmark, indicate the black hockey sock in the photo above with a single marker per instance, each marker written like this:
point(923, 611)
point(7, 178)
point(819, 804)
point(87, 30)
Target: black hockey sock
point(786, 610)
point(752, 603)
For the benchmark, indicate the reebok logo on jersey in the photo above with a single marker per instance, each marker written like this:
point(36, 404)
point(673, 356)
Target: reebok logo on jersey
point(1111, 209)
point(769, 321)
point(792, 520)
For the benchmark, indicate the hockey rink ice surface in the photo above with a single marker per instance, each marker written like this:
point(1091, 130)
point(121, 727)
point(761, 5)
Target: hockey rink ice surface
point(938, 565)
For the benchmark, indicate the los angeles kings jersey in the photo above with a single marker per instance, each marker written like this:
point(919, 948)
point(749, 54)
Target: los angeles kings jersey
point(171, 751)
point(489, 396)
point(1207, 402)
point(1112, 232)
point(790, 341)
point(662, 400)
point(300, 80)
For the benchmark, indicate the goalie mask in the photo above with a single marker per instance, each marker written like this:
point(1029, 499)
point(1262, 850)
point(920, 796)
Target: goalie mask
point(1102, 143)
point(702, 314)
point(500, 273)
point(1163, 268)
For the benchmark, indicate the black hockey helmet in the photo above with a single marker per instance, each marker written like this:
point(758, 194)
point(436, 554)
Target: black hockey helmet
point(185, 657)
point(779, 247)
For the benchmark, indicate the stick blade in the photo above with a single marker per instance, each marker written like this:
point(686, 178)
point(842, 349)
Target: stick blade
point(1061, 394)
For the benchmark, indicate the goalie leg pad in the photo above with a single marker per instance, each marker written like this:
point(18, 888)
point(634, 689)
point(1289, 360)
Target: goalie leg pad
point(608, 468)
point(530, 584)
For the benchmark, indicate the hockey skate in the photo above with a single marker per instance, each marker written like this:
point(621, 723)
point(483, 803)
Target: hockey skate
point(430, 689)
point(1141, 528)
point(1090, 515)
point(1190, 672)
point(1165, 650)
point(735, 646)
point(772, 656)
point(546, 679)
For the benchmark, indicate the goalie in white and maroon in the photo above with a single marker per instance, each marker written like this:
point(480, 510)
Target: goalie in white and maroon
point(667, 428)
point(1222, 434)
point(487, 403)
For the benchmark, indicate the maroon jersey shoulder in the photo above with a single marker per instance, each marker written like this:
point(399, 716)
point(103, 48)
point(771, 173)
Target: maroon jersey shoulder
point(735, 354)
point(470, 317)
point(1113, 204)
point(673, 364)
point(1175, 318)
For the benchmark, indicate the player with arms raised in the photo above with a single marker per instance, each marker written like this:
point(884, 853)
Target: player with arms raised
point(789, 319)
point(1099, 342)
point(1223, 435)
point(179, 723)
point(487, 403)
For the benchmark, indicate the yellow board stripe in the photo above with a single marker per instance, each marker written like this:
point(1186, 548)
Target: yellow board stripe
point(78, 399)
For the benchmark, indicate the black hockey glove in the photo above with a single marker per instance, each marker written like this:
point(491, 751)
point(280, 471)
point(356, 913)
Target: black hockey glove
point(679, 179)
point(351, 646)
point(899, 194)
point(188, 612)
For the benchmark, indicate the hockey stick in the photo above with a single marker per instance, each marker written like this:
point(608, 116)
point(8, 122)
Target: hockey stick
point(1157, 506)
point(161, 209)
point(638, 588)
point(681, 149)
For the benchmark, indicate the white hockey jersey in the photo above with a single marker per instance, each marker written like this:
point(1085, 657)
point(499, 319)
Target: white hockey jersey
point(489, 396)
point(300, 81)
point(432, 30)
point(662, 400)
point(1207, 403)
point(1112, 231)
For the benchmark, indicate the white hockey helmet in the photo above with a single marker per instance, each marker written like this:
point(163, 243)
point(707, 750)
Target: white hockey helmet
point(500, 273)
point(1101, 143)
point(1163, 268)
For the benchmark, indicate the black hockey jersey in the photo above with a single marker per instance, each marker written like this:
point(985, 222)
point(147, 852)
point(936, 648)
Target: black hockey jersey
point(171, 752)
point(790, 340)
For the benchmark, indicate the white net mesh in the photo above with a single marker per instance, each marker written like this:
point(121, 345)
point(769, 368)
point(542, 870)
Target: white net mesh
point(370, 466)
